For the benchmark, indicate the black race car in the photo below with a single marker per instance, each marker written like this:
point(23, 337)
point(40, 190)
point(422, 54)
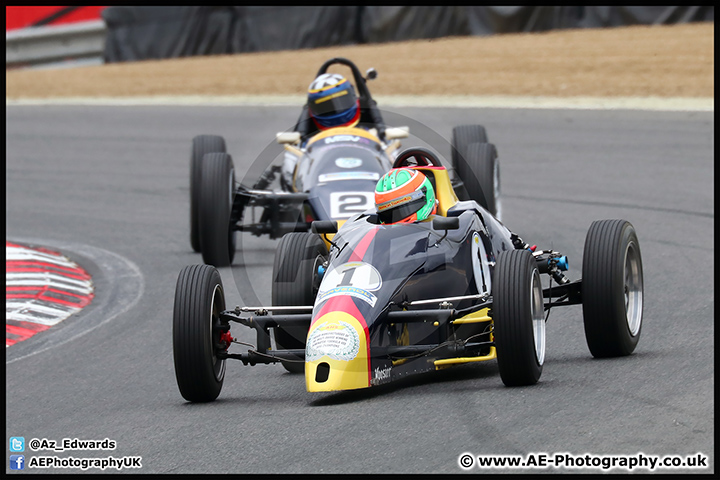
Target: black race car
point(370, 303)
point(334, 177)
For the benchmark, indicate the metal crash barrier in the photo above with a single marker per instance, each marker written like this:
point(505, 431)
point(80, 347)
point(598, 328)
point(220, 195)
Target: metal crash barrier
point(82, 42)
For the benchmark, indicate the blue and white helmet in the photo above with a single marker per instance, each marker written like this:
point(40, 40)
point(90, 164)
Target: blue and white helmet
point(332, 102)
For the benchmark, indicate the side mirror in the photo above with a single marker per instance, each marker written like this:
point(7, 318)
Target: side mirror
point(287, 137)
point(324, 226)
point(446, 223)
point(392, 133)
point(371, 74)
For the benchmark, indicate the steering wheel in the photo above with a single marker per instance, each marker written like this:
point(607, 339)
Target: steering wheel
point(417, 157)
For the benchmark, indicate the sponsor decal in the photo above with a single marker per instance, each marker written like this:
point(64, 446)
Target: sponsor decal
point(348, 162)
point(342, 138)
point(394, 203)
point(363, 295)
point(331, 177)
point(336, 340)
point(381, 375)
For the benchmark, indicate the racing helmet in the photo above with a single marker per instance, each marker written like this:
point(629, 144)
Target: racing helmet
point(404, 195)
point(332, 102)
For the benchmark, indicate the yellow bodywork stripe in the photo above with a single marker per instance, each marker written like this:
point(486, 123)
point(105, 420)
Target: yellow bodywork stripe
point(446, 362)
point(358, 132)
point(476, 317)
point(443, 188)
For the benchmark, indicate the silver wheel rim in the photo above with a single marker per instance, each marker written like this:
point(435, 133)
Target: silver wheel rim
point(633, 287)
point(217, 364)
point(538, 317)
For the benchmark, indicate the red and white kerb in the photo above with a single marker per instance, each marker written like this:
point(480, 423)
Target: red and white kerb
point(42, 288)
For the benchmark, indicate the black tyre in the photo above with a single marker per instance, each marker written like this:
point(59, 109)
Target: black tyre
point(296, 282)
point(480, 174)
point(217, 235)
point(201, 145)
point(518, 318)
point(612, 288)
point(462, 137)
point(199, 300)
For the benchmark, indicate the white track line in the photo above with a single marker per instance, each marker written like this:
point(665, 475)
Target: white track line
point(430, 101)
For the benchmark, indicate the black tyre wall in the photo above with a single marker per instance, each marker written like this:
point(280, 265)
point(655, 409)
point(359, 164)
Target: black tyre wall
point(512, 318)
point(478, 174)
point(462, 136)
point(217, 236)
point(295, 282)
point(604, 287)
point(199, 298)
point(201, 145)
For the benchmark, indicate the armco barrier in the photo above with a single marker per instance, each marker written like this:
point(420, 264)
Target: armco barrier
point(81, 41)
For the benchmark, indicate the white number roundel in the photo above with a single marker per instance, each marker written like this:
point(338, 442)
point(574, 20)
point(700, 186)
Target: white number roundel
point(481, 269)
point(353, 274)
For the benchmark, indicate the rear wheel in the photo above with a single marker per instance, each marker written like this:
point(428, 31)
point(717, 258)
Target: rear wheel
point(201, 145)
point(518, 318)
point(480, 174)
point(199, 300)
point(612, 288)
point(217, 235)
point(296, 282)
point(462, 137)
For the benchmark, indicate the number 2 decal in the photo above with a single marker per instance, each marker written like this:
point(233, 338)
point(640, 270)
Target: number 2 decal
point(347, 204)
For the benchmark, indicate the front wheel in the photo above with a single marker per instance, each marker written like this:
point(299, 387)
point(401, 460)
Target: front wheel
point(612, 288)
point(217, 184)
point(199, 300)
point(518, 319)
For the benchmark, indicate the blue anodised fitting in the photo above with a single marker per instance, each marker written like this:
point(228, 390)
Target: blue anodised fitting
point(562, 262)
point(321, 271)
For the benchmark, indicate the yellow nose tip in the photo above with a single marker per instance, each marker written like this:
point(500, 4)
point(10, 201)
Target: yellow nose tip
point(336, 354)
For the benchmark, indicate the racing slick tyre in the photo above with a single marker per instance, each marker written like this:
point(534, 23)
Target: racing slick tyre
point(480, 173)
point(199, 300)
point(295, 282)
point(612, 288)
point(201, 145)
point(518, 318)
point(462, 136)
point(217, 235)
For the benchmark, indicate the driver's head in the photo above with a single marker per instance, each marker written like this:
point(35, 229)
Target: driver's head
point(404, 195)
point(332, 102)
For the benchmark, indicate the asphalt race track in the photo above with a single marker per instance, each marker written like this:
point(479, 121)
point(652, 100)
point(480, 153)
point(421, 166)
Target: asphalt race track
point(109, 187)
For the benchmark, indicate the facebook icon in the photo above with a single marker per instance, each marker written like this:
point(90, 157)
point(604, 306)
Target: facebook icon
point(17, 462)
